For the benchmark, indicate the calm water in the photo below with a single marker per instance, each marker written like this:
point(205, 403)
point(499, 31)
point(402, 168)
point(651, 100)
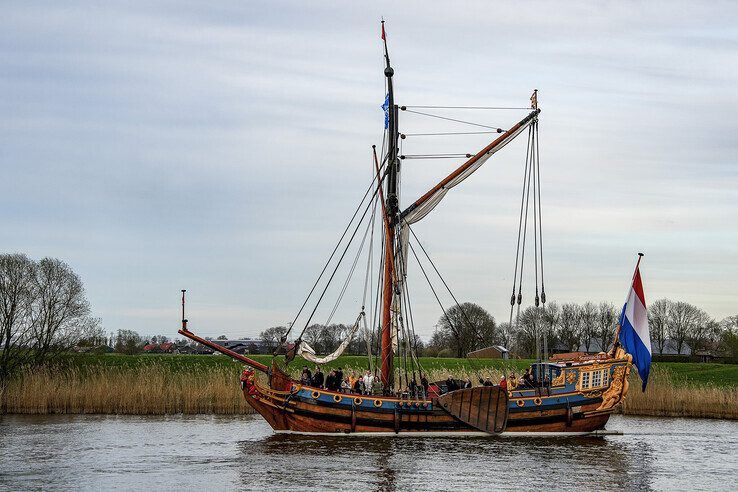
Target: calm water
point(216, 453)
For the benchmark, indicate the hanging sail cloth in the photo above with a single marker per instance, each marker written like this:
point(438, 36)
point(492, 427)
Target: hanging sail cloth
point(430, 200)
point(305, 351)
point(425, 204)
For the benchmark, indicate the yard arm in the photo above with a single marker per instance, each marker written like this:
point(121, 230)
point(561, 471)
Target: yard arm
point(249, 362)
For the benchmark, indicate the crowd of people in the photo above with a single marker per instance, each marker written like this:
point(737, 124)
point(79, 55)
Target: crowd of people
point(360, 384)
point(364, 384)
point(337, 381)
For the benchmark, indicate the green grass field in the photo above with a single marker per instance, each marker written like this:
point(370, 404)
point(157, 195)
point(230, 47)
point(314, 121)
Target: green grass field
point(686, 373)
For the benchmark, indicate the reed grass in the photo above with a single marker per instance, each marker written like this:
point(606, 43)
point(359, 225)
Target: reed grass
point(157, 388)
point(146, 390)
point(668, 396)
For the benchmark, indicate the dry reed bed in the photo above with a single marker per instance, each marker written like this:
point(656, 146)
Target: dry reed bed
point(665, 397)
point(158, 389)
point(144, 390)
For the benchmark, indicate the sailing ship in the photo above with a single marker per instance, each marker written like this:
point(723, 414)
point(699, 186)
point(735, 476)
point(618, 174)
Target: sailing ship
point(574, 394)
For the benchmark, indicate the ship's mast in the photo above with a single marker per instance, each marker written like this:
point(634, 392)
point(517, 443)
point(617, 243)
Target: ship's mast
point(391, 209)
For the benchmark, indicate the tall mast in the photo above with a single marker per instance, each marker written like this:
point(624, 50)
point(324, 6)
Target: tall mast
point(391, 209)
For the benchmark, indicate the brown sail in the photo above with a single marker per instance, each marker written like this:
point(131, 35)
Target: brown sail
point(483, 407)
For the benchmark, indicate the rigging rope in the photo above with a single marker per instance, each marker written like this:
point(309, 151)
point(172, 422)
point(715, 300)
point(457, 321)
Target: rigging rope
point(289, 328)
point(433, 134)
point(461, 107)
point(520, 227)
point(351, 273)
point(452, 119)
point(463, 312)
point(353, 235)
point(434, 156)
point(531, 184)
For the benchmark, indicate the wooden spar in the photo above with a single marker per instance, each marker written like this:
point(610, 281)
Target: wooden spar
point(387, 354)
point(387, 292)
point(249, 362)
point(471, 162)
point(392, 208)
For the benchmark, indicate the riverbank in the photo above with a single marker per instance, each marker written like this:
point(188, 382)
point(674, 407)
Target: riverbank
point(165, 384)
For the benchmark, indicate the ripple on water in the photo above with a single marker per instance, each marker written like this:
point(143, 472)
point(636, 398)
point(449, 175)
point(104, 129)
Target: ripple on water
point(186, 452)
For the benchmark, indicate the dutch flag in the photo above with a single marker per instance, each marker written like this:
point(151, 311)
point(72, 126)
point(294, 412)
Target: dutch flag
point(634, 335)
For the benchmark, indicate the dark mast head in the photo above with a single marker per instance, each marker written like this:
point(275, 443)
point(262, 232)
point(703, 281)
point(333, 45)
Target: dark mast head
point(393, 135)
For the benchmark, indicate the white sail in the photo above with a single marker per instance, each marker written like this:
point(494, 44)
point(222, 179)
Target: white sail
point(305, 351)
point(416, 214)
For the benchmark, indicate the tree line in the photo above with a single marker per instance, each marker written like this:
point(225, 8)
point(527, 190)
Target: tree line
point(566, 327)
point(44, 313)
point(570, 327)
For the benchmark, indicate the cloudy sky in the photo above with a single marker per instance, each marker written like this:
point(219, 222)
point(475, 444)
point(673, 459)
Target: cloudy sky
point(171, 145)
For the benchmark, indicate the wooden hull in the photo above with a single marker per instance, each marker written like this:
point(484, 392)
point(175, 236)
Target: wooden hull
point(290, 407)
point(306, 417)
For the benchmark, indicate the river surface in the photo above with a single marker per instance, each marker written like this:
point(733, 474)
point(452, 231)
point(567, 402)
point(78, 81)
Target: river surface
point(225, 453)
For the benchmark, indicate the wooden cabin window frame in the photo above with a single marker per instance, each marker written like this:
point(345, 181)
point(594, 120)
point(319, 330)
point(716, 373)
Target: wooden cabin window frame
point(595, 379)
point(585, 380)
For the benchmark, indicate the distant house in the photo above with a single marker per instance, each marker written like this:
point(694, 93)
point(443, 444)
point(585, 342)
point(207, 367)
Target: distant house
point(167, 347)
point(491, 352)
point(711, 352)
point(151, 348)
point(243, 345)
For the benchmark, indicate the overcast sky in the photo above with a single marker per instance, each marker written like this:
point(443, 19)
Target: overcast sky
point(176, 145)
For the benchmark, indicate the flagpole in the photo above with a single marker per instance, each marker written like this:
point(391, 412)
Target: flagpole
point(617, 329)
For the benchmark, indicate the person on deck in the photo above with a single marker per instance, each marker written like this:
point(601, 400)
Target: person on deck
point(318, 378)
point(345, 386)
point(503, 383)
point(330, 381)
point(528, 378)
point(358, 386)
point(487, 382)
point(451, 384)
point(368, 383)
point(424, 384)
point(306, 377)
point(339, 375)
point(352, 381)
point(467, 383)
point(413, 388)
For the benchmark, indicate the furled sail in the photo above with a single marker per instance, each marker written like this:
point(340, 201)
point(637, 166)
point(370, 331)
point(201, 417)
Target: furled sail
point(305, 351)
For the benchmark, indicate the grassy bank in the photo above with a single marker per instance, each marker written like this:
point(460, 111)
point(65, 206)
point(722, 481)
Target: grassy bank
point(170, 384)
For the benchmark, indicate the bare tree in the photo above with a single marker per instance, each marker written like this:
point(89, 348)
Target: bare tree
point(44, 311)
point(606, 320)
point(312, 336)
point(506, 334)
point(587, 319)
point(699, 329)
point(272, 336)
point(528, 328)
point(658, 322)
point(569, 326)
point(686, 322)
point(469, 325)
point(128, 342)
point(551, 316)
point(16, 278)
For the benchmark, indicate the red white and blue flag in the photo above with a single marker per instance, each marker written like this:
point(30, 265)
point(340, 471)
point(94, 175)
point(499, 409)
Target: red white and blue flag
point(634, 334)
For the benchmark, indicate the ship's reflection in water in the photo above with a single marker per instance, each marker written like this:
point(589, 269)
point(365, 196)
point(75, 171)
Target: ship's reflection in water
point(224, 453)
point(403, 463)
